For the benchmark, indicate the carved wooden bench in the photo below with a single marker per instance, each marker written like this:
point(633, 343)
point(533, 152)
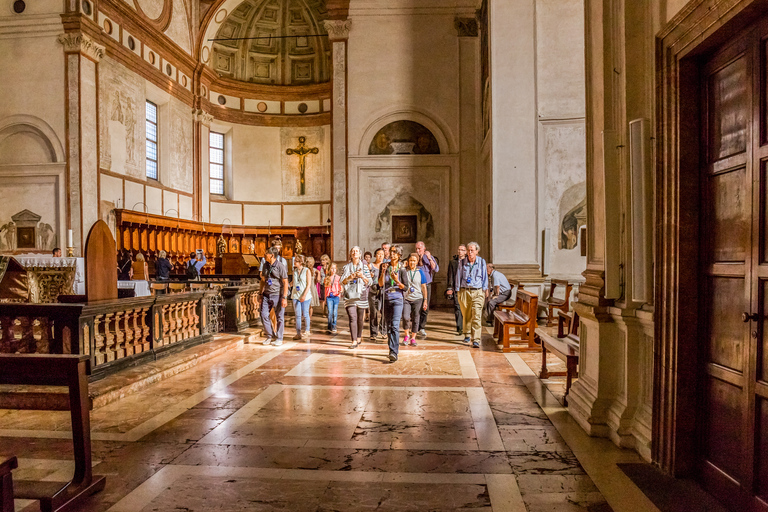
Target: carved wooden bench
point(554, 303)
point(565, 346)
point(58, 370)
point(6, 484)
point(518, 323)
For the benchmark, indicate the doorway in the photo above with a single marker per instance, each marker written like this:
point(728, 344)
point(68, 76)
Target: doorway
point(732, 380)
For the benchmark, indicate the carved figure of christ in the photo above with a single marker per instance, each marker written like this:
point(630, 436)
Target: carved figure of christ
point(302, 151)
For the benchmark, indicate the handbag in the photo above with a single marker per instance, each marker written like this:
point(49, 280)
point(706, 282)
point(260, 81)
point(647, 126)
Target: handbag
point(352, 291)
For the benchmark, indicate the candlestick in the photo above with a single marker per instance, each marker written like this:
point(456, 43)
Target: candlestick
point(70, 242)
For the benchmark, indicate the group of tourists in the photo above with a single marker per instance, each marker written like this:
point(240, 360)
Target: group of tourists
point(386, 287)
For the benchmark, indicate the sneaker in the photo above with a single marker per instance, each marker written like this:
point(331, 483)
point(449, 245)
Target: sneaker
point(404, 342)
point(306, 335)
point(476, 344)
point(392, 357)
point(277, 343)
point(413, 341)
point(266, 341)
point(334, 331)
point(297, 337)
point(467, 340)
point(422, 334)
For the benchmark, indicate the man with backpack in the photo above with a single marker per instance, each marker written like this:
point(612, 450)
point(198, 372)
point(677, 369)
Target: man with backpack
point(195, 265)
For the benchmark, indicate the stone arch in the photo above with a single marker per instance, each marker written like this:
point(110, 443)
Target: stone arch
point(442, 135)
point(35, 134)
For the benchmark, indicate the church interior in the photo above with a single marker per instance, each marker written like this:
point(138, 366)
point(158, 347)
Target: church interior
point(609, 157)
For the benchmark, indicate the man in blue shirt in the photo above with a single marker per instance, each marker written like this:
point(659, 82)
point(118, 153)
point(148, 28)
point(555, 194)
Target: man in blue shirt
point(199, 263)
point(274, 296)
point(470, 285)
point(499, 291)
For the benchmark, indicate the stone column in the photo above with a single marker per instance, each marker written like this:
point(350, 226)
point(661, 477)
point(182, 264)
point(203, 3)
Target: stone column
point(338, 32)
point(203, 122)
point(82, 56)
point(471, 194)
point(515, 230)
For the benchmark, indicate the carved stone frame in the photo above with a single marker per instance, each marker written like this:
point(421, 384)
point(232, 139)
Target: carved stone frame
point(700, 27)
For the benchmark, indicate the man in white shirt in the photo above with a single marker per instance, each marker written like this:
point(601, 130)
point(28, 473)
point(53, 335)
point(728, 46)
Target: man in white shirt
point(499, 291)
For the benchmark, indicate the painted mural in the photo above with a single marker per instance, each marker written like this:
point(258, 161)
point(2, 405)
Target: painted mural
point(404, 137)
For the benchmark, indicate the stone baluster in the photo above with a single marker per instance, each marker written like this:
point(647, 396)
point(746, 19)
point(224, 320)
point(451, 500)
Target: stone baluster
point(110, 348)
point(100, 342)
point(120, 350)
point(144, 329)
point(195, 319)
point(127, 328)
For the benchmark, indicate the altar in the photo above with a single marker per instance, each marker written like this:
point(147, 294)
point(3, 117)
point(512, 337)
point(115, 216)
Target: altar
point(50, 277)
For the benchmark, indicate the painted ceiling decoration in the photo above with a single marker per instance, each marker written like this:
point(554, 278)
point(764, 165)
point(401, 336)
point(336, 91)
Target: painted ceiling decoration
point(274, 42)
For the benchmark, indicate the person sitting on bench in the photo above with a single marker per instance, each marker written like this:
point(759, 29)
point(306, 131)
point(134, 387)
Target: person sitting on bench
point(499, 291)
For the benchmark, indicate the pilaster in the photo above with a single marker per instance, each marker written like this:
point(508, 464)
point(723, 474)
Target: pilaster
point(471, 194)
point(82, 56)
point(338, 33)
point(514, 127)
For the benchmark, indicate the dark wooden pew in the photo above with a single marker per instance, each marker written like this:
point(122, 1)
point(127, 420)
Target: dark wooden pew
point(518, 323)
point(554, 303)
point(58, 370)
point(565, 346)
point(6, 484)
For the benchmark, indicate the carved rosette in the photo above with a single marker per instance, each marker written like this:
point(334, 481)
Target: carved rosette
point(338, 30)
point(202, 117)
point(75, 42)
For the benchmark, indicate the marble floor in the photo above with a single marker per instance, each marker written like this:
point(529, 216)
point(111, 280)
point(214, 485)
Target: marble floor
point(315, 426)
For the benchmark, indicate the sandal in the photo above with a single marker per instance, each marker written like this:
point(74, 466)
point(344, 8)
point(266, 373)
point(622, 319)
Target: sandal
point(354, 346)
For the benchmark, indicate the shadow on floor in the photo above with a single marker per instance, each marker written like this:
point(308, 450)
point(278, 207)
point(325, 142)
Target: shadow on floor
point(670, 494)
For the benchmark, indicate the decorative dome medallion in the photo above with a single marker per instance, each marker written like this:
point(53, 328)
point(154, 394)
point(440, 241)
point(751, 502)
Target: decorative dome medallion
point(274, 42)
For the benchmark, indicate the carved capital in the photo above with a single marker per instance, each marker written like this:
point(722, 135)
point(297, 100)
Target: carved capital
point(76, 42)
point(202, 117)
point(337, 29)
point(466, 27)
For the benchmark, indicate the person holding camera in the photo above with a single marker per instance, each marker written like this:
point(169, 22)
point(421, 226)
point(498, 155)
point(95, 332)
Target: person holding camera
point(392, 281)
point(355, 279)
point(197, 261)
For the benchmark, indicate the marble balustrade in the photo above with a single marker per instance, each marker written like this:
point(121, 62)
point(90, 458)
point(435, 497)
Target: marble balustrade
point(122, 332)
point(241, 309)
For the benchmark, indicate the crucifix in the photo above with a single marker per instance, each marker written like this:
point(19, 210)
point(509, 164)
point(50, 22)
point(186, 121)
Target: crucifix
point(302, 151)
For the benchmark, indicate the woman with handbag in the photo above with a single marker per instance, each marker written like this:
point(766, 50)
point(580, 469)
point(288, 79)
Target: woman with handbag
point(414, 301)
point(355, 279)
point(302, 298)
point(392, 281)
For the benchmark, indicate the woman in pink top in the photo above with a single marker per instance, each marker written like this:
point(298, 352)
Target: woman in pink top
point(332, 293)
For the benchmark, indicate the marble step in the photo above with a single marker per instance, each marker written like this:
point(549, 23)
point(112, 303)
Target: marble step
point(124, 382)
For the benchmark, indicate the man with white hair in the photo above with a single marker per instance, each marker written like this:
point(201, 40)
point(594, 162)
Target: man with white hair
point(470, 284)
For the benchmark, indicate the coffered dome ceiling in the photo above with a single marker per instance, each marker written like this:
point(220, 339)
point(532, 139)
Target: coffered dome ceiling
point(267, 56)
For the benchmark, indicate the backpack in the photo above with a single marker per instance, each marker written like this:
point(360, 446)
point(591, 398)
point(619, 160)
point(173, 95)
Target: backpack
point(192, 273)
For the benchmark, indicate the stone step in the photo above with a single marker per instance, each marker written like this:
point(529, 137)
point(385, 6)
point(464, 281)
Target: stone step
point(124, 382)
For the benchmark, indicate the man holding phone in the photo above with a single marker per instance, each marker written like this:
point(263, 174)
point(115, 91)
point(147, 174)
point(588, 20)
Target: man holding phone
point(197, 261)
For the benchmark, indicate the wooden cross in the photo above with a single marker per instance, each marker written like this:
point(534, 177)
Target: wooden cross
point(302, 151)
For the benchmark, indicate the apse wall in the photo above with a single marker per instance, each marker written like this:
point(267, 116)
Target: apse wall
point(265, 181)
point(404, 66)
point(32, 125)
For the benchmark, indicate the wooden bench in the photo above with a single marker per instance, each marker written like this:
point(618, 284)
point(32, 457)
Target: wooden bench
point(565, 346)
point(507, 305)
point(58, 370)
point(554, 303)
point(518, 323)
point(6, 484)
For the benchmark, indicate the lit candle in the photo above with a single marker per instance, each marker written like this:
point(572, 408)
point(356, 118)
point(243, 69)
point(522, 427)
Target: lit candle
point(70, 243)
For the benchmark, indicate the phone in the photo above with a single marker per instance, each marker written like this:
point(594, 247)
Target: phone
point(199, 252)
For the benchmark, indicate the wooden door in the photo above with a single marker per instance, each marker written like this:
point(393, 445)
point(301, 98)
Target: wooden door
point(734, 184)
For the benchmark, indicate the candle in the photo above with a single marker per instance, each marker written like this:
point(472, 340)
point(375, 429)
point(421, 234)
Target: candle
point(70, 243)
